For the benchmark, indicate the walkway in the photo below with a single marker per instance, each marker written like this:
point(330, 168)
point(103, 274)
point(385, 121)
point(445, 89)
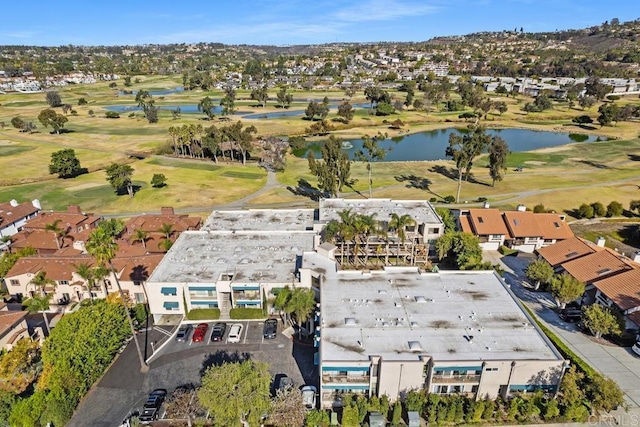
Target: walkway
point(618, 363)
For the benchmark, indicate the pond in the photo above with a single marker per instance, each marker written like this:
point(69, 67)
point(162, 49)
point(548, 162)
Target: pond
point(432, 145)
point(184, 109)
point(153, 92)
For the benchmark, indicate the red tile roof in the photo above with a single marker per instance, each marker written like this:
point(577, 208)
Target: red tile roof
point(10, 214)
point(598, 264)
point(487, 221)
point(56, 268)
point(522, 224)
point(137, 269)
point(553, 226)
point(623, 289)
point(8, 319)
point(565, 250)
point(73, 219)
point(153, 222)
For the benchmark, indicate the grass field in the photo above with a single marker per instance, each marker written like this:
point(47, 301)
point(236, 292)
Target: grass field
point(560, 177)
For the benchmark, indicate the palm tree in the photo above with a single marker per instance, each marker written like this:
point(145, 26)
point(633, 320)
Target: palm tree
point(7, 241)
point(88, 275)
point(140, 236)
point(40, 281)
point(366, 225)
point(103, 248)
point(167, 230)
point(55, 229)
point(301, 303)
point(399, 224)
point(39, 304)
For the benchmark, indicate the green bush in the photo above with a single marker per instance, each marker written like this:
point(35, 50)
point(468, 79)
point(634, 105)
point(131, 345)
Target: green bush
point(507, 251)
point(449, 199)
point(317, 418)
point(204, 314)
point(246, 313)
point(112, 115)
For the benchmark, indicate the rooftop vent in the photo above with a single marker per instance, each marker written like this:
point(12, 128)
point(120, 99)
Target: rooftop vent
point(349, 321)
point(420, 299)
point(382, 291)
point(415, 346)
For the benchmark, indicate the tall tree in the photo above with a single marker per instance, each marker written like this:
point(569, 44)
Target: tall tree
point(498, 152)
point(464, 149)
point(228, 102)
point(284, 98)
point(345, 110)
point(301, 304)
point(287, 408)
point(334, 169)
point(49, 117)
point(65, 163)
point(371, 152)
point(39, 304)
point(20, 367)
point(236, 393)
point(88, 274)
point(399, 224)
point(261, 95)
point(102, 246)
point(119, 176)
point(53, 98)
point(206, 106)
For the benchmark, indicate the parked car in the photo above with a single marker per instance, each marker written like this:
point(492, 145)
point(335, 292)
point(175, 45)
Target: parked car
point(217, 332)
point(200, 332)
point(151, 408)
point(636, 348)
point(270, 329)
point(235, 332)
point(571, 315)
point(284, 382)
point(309, 397)
point(183, 333)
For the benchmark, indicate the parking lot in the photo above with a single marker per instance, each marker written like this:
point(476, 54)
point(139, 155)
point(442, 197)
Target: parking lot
point(124, 389)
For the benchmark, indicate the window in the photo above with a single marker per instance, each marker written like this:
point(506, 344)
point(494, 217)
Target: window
point(63, 282)
point(137, 283)
point(456, 389)
point(434, 231)
point(491, 369)
point(14, 282)
point(169, 291)
point(170, 305)
point(66, 296)
point(107, 283)
point(94, 295)
point(441, 389)
point(139, 297)
point(474, 389)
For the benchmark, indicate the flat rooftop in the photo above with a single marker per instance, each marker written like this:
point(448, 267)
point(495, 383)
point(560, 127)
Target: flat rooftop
point(420, 210)
point(261, 219)
point(455, 315)
point(202, 256)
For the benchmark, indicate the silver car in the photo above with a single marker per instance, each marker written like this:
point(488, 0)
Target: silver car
point(183, 333)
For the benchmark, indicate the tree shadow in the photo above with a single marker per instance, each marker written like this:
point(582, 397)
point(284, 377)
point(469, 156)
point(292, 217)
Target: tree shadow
point(305, 189)
point(452, 173)
point(79, 172)
point(221, 357)
point(303, 353)
point(634, 157)
point(594, 164)
point(418, 182)
point(572, 213)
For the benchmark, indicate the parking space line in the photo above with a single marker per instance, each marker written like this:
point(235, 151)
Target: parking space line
point(246, 331)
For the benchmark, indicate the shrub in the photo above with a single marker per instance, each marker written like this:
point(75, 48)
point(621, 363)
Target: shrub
point(204, 314)
point(614, 209)
point(539, 208)
point(613, 97)
point(112, 115)
point(246, 313)
point(449, 199)
point(585, 211)
point(598, 209)
point(91, 113)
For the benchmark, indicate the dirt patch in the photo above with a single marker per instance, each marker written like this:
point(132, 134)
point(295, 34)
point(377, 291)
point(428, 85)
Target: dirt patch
point(534, 163)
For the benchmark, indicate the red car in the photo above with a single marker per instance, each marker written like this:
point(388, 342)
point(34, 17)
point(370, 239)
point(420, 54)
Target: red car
point(200, 332)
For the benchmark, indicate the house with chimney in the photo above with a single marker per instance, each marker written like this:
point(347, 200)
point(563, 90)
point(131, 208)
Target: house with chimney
point(14, 215)
point(520, 230)
point(611, 279)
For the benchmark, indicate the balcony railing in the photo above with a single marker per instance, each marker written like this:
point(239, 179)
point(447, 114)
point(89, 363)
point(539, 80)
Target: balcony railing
point(212, 297)
point(448, 379)
point(350, 379)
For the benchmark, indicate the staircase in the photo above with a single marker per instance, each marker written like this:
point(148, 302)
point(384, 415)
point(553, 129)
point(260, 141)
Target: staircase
point(225, 306)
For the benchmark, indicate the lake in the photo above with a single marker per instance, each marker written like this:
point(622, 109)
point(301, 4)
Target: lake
point(432, 145)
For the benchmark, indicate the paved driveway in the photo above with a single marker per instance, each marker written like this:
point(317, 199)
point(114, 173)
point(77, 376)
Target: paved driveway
point(618, 363)
point(124, 389)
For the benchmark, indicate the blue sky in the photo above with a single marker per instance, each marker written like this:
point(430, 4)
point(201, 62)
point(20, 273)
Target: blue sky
point(119, 22)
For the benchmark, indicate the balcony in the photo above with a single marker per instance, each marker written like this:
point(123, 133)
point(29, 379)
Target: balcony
point(450, 379)
point(344, 379)
point(196, 297)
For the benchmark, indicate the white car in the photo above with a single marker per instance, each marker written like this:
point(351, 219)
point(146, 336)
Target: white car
point(636, 348)
point(235, 332)
point(309, 397)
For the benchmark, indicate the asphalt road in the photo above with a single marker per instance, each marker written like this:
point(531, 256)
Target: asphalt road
point(124, 389)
